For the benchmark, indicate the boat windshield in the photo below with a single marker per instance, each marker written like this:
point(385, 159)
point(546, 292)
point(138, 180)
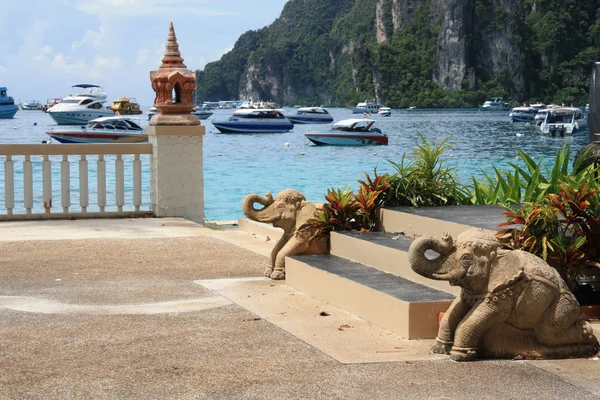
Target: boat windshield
point(271, 114)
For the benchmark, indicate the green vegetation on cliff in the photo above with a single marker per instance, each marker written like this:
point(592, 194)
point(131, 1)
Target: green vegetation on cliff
point(413, 53)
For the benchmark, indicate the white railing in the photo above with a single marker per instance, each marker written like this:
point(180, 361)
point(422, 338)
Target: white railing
point(102, 153)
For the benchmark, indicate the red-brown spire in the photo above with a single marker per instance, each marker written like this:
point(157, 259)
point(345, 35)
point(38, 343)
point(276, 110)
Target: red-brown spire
point(172, 58)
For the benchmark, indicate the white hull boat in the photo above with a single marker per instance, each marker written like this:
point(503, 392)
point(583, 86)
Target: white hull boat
point(563, 121)
point(522, 114)
point(311, 115)
point(367, 107)
point(102, 130)
point(385, 112)
point(349, 132)
point(79, 108)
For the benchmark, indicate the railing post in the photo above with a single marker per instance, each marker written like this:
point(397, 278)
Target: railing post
point(47, 183)
point(83, 184)
point(176, 171)
point(9, 184)
point(65, 184)
point(120, 182)
point(137, 182)
point(28, 184)
point(101, 182)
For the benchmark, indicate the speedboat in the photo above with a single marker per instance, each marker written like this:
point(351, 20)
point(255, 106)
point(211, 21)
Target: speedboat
point(31, 105)
point(494, 104)
point(200, 112)
point(350, 132)
point(522, 114)
point(102, 130)
point(8, 108)
point(366, 107)
point(563, 121)
point(385, 112)
point(126, 106)
point(249, 120)
point(81, 107)
point(311, 115)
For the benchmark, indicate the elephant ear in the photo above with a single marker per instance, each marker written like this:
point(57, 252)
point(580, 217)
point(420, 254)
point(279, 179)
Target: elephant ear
point(506, 270)
point(305, 212)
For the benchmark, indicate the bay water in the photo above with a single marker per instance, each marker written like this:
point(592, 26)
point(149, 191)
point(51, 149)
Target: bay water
point(238, 164)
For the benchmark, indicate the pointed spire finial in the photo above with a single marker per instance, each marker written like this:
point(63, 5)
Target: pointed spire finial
point(172, 57)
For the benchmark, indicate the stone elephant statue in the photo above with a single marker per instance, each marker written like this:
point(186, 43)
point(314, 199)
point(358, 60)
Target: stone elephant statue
point(512, 303)
point(289, 211)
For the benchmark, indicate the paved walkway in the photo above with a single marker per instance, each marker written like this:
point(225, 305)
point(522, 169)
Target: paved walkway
point(159, 309)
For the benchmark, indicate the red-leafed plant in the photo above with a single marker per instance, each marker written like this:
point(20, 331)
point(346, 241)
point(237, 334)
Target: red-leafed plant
point(563, 229)
point(346, 211)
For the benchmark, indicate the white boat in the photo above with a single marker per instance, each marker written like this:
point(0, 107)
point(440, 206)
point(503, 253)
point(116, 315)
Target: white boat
point(367, 107)
point(31, 105)
point(254, 120)
point(538, 106)
point(522, 114)
point(412, 108)
point(102, 130)
point(494, 104)
point(200, 112)
point(81, 107)
point(385, 112)
point(349, 132)
point(311, 115)
point(563, 121)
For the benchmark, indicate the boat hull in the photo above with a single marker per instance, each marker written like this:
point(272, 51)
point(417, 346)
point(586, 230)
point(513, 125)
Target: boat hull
point(385, 114)
point(86, 137)
point(78, 117)
point(332, 139)
point(302, 119)
point(256, 127)
point(7, 112)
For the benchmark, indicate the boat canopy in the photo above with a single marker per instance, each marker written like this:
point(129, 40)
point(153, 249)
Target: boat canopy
point(86, 86)
point(358, 124)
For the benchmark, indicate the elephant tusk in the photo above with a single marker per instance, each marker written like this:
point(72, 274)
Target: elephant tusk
point(454, 275)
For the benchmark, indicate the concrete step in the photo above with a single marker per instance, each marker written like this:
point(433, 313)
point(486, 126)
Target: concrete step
point(260, 229)
point(435, 221)
point(387, 252)
point(399, 305)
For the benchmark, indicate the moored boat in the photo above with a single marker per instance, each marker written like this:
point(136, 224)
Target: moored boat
point(522, 114)
point(81, 107)
point(563, 121)
point(126, 106)
point(349, 132)
point(200, 112)
point(367, 107)
point(252, 120)
point(494, 104)
point(385, 112)
point(311, 115)
point(31, 105)
point(116, 129)
point(8, 108)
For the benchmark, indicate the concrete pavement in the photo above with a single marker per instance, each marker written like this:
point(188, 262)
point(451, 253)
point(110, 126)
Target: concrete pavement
point(166, 309)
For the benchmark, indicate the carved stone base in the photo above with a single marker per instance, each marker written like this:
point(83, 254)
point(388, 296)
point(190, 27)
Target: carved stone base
point(174, 119)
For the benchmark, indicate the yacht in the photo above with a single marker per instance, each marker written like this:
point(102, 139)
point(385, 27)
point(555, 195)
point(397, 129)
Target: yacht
point(8, 108)
point(126, 106)
point(563, 121)
point(200, 112)
point(494, 104)
point(366, 107)
point(349, 132)
point(523, 114)
point(385, 112)
point(81, 107)
point(102, 130)
point(31, 105)
point(254, 120)
point(311, 115)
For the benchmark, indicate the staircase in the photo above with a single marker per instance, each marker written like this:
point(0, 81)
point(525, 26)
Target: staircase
point(368, 274)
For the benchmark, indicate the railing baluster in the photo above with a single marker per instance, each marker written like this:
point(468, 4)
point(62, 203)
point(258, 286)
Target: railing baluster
point(101, 176)
point(65, 184)
point(137, 182)
point(120, 182)
point(28, 184)
point(47, 183)
point(9, 184)
point(83, 184)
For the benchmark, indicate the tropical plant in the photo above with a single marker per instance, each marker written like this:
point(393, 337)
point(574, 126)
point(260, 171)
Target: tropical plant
point(563, 229)
point(346, 211)
point(426, 181)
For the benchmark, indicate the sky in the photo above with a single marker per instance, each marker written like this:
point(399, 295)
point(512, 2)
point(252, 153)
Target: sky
point(48, 46)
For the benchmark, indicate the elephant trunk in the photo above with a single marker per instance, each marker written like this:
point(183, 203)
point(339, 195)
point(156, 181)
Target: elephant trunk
point(443, 267)
point(251, 212)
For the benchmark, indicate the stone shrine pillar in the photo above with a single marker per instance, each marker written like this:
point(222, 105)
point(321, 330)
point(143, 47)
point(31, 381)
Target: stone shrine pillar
point(176, 167)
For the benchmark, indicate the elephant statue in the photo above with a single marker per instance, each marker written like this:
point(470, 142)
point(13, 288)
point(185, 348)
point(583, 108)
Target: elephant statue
point(512, 304)
point(289, 211)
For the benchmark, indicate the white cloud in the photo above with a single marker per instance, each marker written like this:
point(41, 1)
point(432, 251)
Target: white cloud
point(3, 69)
point(142, 57)
point(96, 38)
point(46, 49)
point(143, 8)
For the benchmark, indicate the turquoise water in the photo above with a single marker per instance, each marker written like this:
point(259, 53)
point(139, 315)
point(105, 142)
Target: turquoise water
point(235, 165)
